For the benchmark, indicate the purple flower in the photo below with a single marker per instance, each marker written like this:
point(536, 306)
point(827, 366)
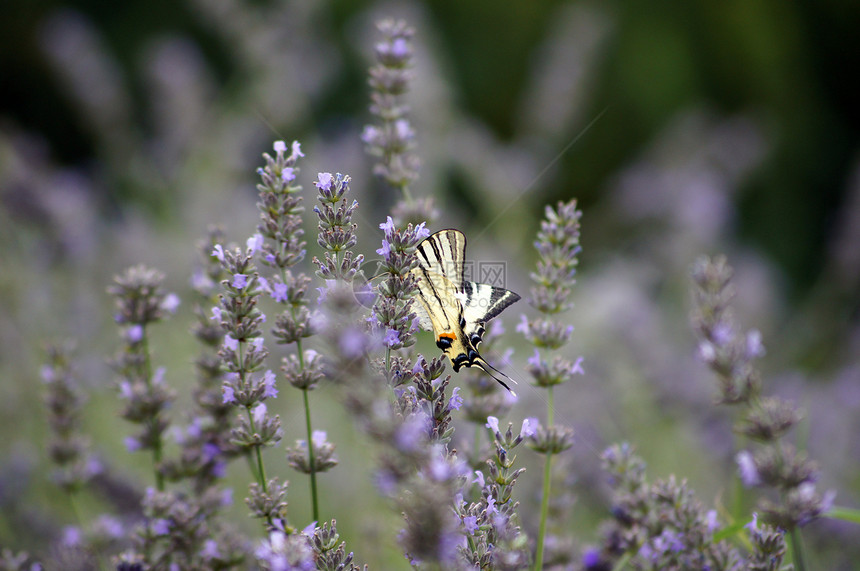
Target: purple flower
point(269, 382)
point(125, 390)
point(400, 48)
point(711, 521)
point(352, 342)
point(479, 478)
point(411, 433)
point(371, 135)
point(456, 401)
point(280, 147)
point(591, 558)
point(577, 369)
point(216, 313)
point(418, 368)
point(218, 252)
point(160, 526)
point(385, 250)
point(722, 334)
point(132, 444)
point(239, 281)
point(259, 413)
point(534, 360)
point(210, 550)
point(210, 451)
point(310, 529)
point(229, 395)
point(318, 438)
point(254, 243)
point(388, 226)
point(170, 303)
point(470, 522)
point(324, 181)
point(440, 470)
point(747, 469)
point(392, 337)
point(523, 325)
point(158, 376)
point(323, 295)
point(297, 149)
point(72, 536)
point(230, 343)
point(403, 130)
point(134, 334)
point(257, 343)
point(530, 426)
point(421, 231)
point(288, 175)
point(491, 505)
point(493, 424)
point(754, 347)
point(753, 524)
point(110, 526)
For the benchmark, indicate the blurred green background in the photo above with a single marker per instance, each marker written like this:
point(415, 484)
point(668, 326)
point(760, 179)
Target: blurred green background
point(683, 127)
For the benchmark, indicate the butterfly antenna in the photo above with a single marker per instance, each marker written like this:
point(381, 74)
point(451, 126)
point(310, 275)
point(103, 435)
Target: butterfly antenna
point(488, 368)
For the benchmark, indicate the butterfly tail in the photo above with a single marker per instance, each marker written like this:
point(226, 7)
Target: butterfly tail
point(482, 364)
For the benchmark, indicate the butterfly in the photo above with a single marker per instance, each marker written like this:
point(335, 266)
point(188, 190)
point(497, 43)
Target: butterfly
point(456, 310)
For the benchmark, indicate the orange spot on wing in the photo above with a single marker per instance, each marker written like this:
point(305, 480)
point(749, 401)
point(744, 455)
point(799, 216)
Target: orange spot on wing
point(448, 336)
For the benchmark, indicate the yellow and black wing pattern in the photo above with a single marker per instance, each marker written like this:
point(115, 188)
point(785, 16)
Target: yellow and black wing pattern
point(456, 310)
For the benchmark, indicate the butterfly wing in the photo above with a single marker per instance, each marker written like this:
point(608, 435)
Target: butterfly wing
point(483, 302)
point(455, 310)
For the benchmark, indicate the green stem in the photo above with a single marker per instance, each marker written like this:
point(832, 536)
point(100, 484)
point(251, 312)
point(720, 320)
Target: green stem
point(258, 454)
point(797, 550)
point(311, 460)
point(157, 445)
point(544, 510)
point(544, 504)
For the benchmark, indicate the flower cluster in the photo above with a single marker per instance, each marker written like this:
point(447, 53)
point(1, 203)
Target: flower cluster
point(429, 392)
point(336, 229)
point(140, 301)
point(243, 353)
point(280, 208)
point(68, 448)
point(178, 532)
point(391, 314)
point(320, 459)
point(205, 441)
point(490, 522)
point(394, 140)
point(730, 353)
point(557, 245)
point(663, 526)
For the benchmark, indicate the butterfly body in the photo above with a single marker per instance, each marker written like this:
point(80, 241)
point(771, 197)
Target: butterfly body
point(454, 309)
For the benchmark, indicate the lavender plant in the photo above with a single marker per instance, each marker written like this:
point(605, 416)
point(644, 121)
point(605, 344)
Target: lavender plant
point(69, 447)
point(280, 213)
point(729, 353)
point(247, 386)
point(663, 526)
point(456, 515)
point(392, 139)
point(205, 445)
point(558, 247)
point(141, 301)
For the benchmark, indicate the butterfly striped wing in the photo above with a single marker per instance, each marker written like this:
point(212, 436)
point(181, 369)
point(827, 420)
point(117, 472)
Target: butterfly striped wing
point(483, 302)
point(454, 309)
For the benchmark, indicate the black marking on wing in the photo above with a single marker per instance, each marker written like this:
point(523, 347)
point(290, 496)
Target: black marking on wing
point(433, 289)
